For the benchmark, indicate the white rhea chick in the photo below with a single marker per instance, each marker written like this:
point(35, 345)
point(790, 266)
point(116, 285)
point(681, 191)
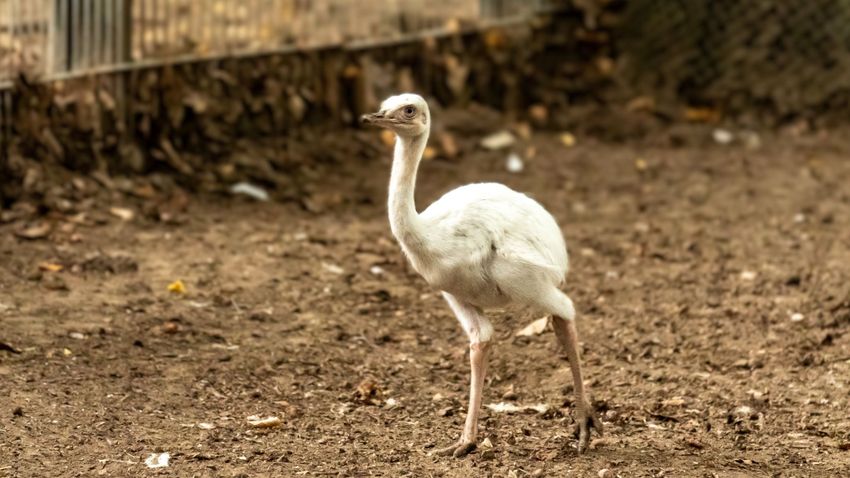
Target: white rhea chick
point(483, 245)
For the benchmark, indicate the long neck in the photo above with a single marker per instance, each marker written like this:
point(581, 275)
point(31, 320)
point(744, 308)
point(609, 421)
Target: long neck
point(404, 220)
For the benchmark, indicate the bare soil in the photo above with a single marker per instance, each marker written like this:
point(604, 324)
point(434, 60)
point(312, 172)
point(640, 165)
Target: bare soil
point(711, 283)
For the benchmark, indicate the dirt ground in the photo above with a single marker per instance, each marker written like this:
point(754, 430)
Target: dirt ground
point(711, 283)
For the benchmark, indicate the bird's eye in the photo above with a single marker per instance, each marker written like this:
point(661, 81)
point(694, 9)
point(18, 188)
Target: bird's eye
point(409, 111)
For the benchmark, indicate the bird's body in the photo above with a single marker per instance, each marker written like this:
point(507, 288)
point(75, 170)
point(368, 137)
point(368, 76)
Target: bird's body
point(481, 237)
point(483, 245)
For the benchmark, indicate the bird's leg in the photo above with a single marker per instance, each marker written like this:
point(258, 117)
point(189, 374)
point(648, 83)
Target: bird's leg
point(586, 418)
point(469, 437)
point(479, 330)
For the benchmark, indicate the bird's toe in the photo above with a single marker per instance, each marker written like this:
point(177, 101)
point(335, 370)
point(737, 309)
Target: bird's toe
point(463, 449)
point(459, 449)
point(586, 422)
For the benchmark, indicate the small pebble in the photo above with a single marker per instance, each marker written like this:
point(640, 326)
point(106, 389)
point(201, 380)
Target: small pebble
point(722, 136)
point(797, 317)
point(514, 163)
point(748, 275)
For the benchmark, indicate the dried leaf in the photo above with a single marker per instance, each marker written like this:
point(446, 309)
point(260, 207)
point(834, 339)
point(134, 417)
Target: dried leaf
point(177, 287)
point(260, 422)
point(538, 113)
point(123, 213)
point(7, 347)
point(368, 391)
point(535, 328)
point(567, 139)
point(158, 460)
point(448, 145)
point(332, 268)
point(673, 402)
point(50, 266)
point(387, 137)
point(641, 103)
point(250, 190)
point(702, 115)
point(429, 153)
point(36, 231)
point(500, 140)
point(509, 408)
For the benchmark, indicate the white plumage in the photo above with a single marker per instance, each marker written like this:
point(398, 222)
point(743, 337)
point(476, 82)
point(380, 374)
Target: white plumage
point(491, 246)
point(483, 245)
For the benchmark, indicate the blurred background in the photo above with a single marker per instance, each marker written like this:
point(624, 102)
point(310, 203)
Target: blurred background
point(104, 77)
point(193, 231)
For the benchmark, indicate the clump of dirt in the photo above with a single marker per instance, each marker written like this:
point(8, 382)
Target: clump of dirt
point(103, 263)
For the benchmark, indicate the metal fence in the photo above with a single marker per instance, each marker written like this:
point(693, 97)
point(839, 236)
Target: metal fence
point(52, 39)
point(786, 57)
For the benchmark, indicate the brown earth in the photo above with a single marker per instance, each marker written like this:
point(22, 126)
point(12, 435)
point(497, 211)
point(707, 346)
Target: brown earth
point(687, 267)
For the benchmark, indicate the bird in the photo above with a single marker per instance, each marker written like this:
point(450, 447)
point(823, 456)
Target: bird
point(484, 246)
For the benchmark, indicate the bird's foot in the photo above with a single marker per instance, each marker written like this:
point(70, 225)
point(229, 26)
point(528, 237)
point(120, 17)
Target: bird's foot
point(459, 449)
point(586, 420)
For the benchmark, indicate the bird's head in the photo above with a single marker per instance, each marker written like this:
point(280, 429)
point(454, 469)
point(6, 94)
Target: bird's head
point(406, 115)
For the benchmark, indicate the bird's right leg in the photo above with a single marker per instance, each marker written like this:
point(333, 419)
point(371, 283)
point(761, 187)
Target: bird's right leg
point(479, 330)
point(565, 329)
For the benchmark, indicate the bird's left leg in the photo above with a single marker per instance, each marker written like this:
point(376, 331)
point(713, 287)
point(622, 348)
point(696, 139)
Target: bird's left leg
point(479, 330)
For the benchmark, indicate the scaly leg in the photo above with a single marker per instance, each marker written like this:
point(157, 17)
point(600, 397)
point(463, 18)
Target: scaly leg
point(479, 330)
point(565, 330)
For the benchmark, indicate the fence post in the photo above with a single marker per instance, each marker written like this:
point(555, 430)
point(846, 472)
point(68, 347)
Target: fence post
point(125, 30)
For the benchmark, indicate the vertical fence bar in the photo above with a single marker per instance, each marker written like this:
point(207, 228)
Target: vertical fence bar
point(141, 30)
point(124, 30)
point(228, 29)
point(99, 23)
point(169, 27)
point(5, 42)
point(44, 15)
point(85, 34)
point(147, 27)
point(207, 24)
point(13, 53)
point(196, 27)
point(57, 58)
point(153, 25)
point(109, 32)
point(73, 34)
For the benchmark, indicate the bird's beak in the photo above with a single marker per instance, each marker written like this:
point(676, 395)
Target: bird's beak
point(378, 119)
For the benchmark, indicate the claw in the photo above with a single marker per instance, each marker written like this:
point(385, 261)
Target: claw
point(458, 450)
point(586, 421)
